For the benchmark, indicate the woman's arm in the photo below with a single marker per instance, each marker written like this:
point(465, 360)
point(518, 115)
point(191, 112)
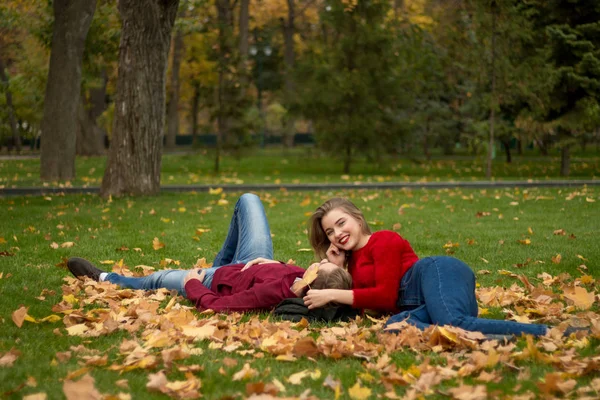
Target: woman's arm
point(318, 298)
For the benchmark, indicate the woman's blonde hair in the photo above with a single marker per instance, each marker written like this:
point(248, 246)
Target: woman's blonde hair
point(317, 237)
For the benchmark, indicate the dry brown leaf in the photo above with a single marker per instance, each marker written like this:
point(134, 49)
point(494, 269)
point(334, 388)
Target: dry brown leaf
point(19, 316)
point(246, 372)
point(8, 359)
point(67, 245)
point(36, 396)
point(83, 389)
point(466, 392)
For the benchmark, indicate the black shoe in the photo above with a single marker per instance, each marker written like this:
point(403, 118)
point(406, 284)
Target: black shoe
point(81, 267)
point(574, 329)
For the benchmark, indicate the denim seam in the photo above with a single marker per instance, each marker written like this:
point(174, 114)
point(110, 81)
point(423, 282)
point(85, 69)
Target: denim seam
point(437, 271)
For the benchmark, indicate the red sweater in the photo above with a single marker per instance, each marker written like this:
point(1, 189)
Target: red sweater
point(377, 269)
point(259, 287)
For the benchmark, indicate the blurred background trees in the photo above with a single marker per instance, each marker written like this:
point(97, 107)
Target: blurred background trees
point(376, 78)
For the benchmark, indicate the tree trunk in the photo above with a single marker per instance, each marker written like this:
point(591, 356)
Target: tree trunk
point(90, 137)
point(347, 159)
point(16, 138)
point(289, 59)
point(173, 107)
point(134, 157)
point(194, 111)
point(72, 20)
point(520, 146)
point(244, 30)
point(488, 171)
point(506, 145)
point(426, 141)
point(224, 23)
point(565, 160)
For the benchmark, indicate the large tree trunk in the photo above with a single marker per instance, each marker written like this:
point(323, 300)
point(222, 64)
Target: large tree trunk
point(72, 21)
point(244, 28)
point(173, 108)
point(565, 160)
point(133, 164)
point(16, 138)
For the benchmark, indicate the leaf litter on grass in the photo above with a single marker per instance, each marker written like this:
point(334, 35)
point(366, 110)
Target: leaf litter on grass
point(161, 336)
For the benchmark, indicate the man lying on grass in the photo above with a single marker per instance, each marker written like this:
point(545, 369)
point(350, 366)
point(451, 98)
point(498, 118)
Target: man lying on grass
point(243, 277)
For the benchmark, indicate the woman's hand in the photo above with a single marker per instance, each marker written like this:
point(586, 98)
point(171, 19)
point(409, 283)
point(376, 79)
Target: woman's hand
point(194, 274)
point(259, 260)
point(336, 256)
point(316, 298)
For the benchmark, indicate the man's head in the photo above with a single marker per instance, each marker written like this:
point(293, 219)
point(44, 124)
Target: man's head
point(330, 276)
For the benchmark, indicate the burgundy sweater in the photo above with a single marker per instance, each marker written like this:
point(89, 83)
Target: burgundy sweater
point(259, 287)
point(377, 269)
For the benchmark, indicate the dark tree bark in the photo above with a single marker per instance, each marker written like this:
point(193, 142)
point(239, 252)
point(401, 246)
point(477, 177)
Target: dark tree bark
point(16, 138)
point(194, 112)
point(72, 20)
point(488, 170)
point(289, 59)
point(173, 107)
point(244, 28)
point(134, 157)
point(565, 160)
point(224, 22)
point(506, 144)
point(90, 137)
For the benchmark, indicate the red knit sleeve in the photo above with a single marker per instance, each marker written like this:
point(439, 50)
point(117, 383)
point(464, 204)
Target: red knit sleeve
point(392, 257)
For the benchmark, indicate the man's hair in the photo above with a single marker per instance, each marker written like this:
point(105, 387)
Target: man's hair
point(317, 237)
point(337, 278)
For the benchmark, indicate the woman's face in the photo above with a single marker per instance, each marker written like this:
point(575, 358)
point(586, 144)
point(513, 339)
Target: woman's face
point(343, 230)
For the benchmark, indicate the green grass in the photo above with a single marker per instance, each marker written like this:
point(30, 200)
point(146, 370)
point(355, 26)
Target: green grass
point(308, 165)
point(429, 219)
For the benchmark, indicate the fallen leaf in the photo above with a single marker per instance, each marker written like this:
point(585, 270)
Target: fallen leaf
point(580, 297)
point(157, 244)
point(245, 373)
point(358, 392)
point(67, 245)
point(83, 389)
point(8, 359)
point(19, 316)
point(556, 259)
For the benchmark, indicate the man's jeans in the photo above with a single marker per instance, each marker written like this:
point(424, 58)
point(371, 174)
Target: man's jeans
point(441, 290)
point(249, 237)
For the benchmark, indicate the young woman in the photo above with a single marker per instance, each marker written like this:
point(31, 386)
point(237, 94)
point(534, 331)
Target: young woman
point(230, 285)
point(388, 276)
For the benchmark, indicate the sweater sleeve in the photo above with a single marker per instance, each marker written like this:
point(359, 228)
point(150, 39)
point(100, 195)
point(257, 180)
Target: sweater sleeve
point(261, 296)
point(387, 255)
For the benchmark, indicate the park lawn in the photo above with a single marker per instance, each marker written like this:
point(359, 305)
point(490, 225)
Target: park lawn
point(503, 231)
point(308, 165)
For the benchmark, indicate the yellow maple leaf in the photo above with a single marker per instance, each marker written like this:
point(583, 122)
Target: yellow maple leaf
point(358, 392)
point(556, 259)
point(215, 191)
point(580, 297)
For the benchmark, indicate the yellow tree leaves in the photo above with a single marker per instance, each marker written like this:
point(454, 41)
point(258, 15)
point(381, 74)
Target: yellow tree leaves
point(579, 296)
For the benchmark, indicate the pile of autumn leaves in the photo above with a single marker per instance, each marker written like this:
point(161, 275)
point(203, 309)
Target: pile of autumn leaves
point(163, 336)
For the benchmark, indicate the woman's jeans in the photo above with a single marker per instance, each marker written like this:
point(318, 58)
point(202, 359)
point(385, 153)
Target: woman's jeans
point(249, 237)
point(441, 291)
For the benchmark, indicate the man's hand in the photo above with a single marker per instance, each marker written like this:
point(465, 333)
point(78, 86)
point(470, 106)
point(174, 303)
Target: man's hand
point(316, 298)
point(259, 260)
point(336, 256)
point(194, 274)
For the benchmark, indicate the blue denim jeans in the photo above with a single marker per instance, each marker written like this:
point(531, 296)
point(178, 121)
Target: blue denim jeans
point(441, 290)
point(249, 237)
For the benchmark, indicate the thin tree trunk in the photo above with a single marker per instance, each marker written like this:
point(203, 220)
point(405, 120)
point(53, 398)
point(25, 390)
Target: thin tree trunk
point(565, 160)
point(506, 145)
point(72, 20)
point(224, 22)
point(488, 171)
point(173, 107)
point(134, 158)
point(244, 29)
point(16, 138)
point(289, 59)
point(194, 111)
